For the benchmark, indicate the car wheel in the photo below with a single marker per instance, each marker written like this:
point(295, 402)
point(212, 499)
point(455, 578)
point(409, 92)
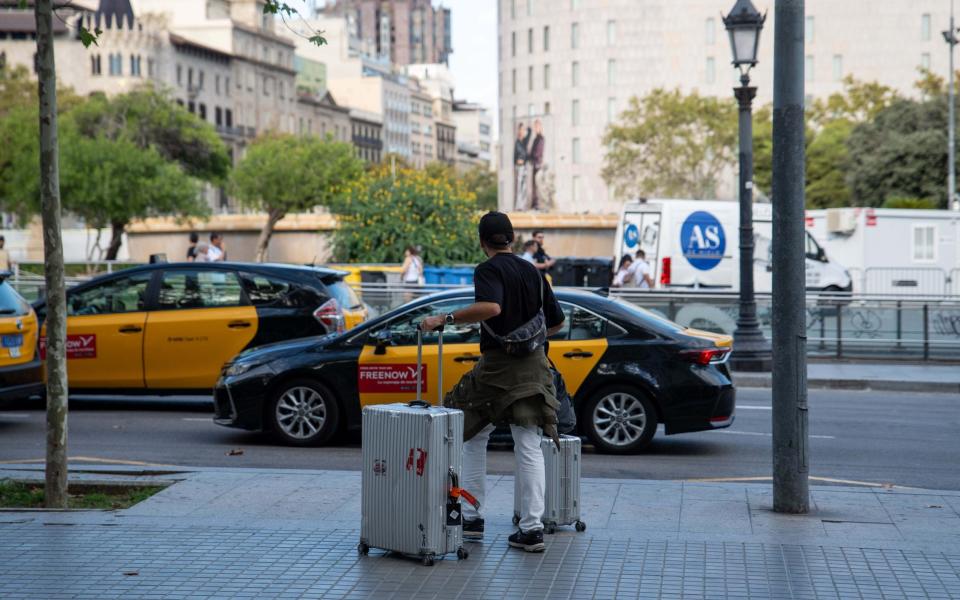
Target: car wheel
point(303, 413)
point(620, 420)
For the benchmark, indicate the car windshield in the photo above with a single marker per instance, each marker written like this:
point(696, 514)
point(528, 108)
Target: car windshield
point(10, 302)
point(344, 294)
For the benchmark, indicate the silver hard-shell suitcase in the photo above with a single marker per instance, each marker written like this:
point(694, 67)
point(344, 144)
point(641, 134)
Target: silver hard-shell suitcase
point(412, 456)
point(562, 498)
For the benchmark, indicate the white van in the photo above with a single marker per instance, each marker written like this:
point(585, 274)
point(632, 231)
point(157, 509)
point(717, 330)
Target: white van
point(893, 251)
point(696, 244)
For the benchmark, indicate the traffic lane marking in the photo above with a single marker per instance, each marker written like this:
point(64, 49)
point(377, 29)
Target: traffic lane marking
point(87, 459)
point(758, 433)
point(15, 415)
point(872, 484)
point(204, 419)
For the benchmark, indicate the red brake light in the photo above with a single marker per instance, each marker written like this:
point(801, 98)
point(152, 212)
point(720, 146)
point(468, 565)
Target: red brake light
point(706, 356)
point(665, 271)
point(330, 316)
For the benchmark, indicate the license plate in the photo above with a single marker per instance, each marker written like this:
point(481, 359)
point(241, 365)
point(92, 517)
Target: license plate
point(13, 341)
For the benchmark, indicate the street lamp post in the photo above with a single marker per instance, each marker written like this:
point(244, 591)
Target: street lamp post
point(950, 36)
point(751, 351)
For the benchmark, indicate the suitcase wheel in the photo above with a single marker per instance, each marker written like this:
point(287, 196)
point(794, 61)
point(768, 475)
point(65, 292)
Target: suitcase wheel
point(428, 560)
point(462, 553)
point(516, 519)
point(363, 549)
point(550, 528)
point(580, 526)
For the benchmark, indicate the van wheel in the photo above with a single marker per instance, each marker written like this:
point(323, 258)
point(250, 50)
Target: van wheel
point(302, 412)
point(620, 420)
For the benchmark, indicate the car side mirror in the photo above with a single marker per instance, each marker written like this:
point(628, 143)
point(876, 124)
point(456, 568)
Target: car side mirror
point(821, 255)
point(381, 340)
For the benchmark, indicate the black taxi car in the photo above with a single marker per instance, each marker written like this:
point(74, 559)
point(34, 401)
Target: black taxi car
point(170, 327)
point(626, 369)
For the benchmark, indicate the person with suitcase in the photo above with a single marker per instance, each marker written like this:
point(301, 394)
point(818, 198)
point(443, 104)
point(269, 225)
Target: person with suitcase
point(512, 383)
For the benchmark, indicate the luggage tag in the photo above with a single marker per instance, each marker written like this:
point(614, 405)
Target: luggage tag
point(454, 513)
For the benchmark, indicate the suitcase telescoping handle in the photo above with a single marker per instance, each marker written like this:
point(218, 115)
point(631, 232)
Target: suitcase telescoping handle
point(419, 401)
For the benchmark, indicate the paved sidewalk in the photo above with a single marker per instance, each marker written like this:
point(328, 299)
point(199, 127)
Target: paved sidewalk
point(944, 378)
point(249, 533)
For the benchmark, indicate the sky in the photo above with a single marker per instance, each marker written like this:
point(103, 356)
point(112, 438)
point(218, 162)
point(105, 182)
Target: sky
point(474, 59)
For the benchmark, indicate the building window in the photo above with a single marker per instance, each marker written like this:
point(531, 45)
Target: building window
point(808, 68)
point(135, 66)
point(151, 69)
point(546, 77)
point(200, 80)
point(191, 107)
point(218, 116)
point(203, 111)
point(611, 110)
point(711, 70)
point(513, 9)
point(575, 74)
point(266, 89)
point(226, 86)
point(710, 32)
point(575, 151)
point(283, 90)
point(530, 78)
point(529, 7)
point(216, 84)
point(611, 33)
point(925, 61)
point(808, 30)
point(546, 38)
point(575, 190)
point(189, 78)
point(925, 27)
point(513, 43)
point(611, 72)
point(531, 110)
point(924, 243)
point(574, 4)
point(116, 64)
point(574, 35)
point(530, 41)
point(575, 113)
point(95, 65)
point(513, 81)
point(546, 108)
point(838, 67)
point(179, 76)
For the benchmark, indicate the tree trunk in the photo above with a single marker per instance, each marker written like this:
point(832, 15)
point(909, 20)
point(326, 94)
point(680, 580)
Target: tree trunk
point(116, 240)
point(273, 217)
point(55, 489)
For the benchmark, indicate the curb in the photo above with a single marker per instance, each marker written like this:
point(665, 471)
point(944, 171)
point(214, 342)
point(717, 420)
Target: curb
point(765, 380)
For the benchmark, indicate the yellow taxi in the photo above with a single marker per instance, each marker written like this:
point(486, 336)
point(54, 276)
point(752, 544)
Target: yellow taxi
point(20, 372)
point(170, 328)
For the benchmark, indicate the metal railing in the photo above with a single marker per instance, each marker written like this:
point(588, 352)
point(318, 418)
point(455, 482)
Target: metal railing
point(843, 326)
point(912, 281)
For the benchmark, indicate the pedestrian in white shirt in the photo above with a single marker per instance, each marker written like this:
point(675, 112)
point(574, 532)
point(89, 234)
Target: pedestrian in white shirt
point(216, 252)
point(530, 248)
point(624, 273)
point(642, 273)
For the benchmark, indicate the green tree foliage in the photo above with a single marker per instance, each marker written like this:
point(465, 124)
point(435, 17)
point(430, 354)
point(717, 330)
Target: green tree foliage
point(916, 203)
point(281, 174)
point(384, 214)
point(109, 183)
point(149, 118)
point(145, 121)
point(827, 163)
point(671, 144)
point(482, 182)
point(901, 153)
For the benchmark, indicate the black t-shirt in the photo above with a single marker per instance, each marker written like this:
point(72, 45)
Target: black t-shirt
point(540, 256)
point(514, 284)
point(191, 252)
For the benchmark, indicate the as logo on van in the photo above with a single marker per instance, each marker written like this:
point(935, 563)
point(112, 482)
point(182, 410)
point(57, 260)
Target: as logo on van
point(703, 240)
point(631, 235)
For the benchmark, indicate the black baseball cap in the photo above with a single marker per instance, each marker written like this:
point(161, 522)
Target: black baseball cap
point(496, 229)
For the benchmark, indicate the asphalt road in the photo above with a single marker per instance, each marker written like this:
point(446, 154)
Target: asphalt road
point(865, 437)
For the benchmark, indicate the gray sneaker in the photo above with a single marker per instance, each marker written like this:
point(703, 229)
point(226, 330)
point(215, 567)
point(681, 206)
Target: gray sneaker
point(528, 541)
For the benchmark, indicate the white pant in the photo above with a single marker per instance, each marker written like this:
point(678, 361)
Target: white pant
point(530, 472)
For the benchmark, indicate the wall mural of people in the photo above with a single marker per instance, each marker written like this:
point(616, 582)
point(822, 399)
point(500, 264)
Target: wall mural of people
point(532, 177)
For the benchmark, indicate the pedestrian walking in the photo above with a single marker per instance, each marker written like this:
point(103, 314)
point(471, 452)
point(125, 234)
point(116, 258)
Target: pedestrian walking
point(512, 383)
point(6, 265)
point(202, 253)
point(412, 273)
point(520, 151)
point(624, 273)
point(216, 252)
point(529, 249)
point(542, 260)
point(535, 158)
point(192, 248)
point(642, 272)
